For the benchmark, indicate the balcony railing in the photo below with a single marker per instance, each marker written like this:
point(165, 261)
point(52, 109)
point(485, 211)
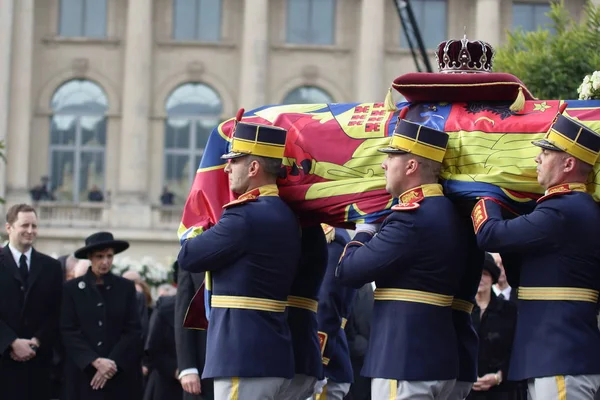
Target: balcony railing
point(166, 216)
point(73, 215)
point(99, 215)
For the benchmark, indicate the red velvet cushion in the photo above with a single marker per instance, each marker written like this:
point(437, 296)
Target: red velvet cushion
point(420, 87)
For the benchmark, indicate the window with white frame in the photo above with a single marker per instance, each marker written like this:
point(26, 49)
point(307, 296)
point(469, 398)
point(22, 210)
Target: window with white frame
point(77, 140)
point(82, 18)
point(193, 111)
point(530, 16)
point(431, 18)
point(311, 22)
point(197, 20)
point(307, 95)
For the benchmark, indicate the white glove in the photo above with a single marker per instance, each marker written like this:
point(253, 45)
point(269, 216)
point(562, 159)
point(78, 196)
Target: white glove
point(319, 386)
point(369, 228)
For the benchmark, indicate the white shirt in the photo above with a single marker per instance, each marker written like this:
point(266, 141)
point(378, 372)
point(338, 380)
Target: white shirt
point(17, 256)
point(505, 292)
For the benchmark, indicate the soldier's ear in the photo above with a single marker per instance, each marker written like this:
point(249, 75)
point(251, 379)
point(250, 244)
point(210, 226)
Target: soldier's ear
point(253, 168)
point(569, 164)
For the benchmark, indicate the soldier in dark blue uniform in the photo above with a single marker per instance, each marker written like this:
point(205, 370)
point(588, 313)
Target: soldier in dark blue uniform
point(335, 305)
point(252, 253)
point(557, 341)
point(416, 260)
point(302, 314)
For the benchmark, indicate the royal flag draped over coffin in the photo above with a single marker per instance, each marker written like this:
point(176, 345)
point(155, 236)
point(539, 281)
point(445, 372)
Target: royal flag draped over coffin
point(332, 170)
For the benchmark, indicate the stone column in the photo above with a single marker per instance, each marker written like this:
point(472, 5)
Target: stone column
point(19, 121)
point(255, 52)
point(370, 65)
point(487, 22)
point(6, 27)
point(135, 128)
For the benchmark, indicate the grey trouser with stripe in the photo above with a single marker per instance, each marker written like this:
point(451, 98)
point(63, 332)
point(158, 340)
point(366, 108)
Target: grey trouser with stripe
point(460, 391)
point(568, 387)
point(249, 388)
point(334, 391)
point(391, 389)
point(300, 388)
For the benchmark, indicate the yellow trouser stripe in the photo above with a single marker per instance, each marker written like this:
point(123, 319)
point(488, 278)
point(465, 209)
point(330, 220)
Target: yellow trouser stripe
point(247, 303)
point(344, 322)
point(558, 293)
point(235, 389)
point(561, 387)
point(322, 395)
point(303, 302)
point(393, 389)
point(415, 296)
point(462, 305)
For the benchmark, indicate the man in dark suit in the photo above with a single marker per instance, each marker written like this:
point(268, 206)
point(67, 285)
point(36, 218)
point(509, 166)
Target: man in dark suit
point(30, 293)
point(190, 343)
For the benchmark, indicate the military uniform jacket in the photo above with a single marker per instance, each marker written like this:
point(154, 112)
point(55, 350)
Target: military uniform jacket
point(335, 306)
point(557, 246)
point(303, 302)
point(101, 321)
point(416, 261)
point(252, 253)
point(462, 307)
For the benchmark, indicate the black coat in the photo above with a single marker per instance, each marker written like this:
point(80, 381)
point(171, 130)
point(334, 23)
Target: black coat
point(496, 331)
point(28, 311)
point(101, 321)
point(161, 354)
point(191, 344)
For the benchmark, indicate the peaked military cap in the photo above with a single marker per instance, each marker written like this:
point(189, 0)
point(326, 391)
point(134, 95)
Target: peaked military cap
point(256, 140)
point(410, 137)
point(573, 138)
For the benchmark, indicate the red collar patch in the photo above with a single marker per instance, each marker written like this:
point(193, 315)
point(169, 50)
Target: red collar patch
point(245, 198)
point(412, 196)
point(562, 189)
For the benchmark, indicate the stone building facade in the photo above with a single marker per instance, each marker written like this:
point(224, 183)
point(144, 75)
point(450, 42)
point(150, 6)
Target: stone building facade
point(120, 95)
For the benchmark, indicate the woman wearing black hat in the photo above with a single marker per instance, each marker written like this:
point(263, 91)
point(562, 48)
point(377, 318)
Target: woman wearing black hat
point(100, 328)
point(495, 320)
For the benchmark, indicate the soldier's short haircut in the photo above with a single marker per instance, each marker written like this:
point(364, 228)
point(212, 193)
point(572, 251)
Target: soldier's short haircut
point(13, 213)
point(271, 166)
point(430, 169)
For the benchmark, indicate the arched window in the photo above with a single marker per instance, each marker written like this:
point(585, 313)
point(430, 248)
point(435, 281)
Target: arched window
point(77, 140)
point(307, 95)
point(193, 110)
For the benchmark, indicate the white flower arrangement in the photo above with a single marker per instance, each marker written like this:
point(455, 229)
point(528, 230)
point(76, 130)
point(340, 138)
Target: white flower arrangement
point(590, 87)
point(151, 271)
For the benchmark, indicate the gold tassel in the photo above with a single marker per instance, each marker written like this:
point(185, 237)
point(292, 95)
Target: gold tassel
point(519, 103)
point(389, 101)
point(329, 232)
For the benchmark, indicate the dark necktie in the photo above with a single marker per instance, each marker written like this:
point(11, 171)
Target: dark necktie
point(501, 296)
point(23, 268)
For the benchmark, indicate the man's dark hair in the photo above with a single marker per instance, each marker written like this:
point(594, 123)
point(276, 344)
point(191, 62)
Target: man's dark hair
point(13, 212)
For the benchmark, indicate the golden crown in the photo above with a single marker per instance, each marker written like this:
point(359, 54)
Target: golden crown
point(464, 56)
